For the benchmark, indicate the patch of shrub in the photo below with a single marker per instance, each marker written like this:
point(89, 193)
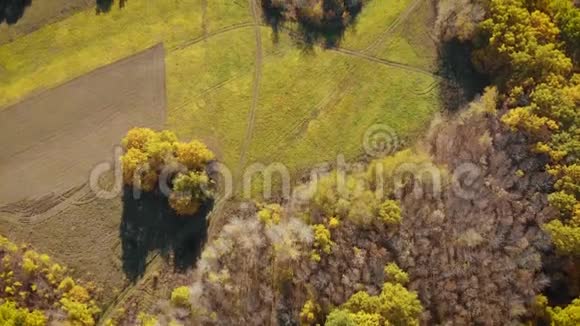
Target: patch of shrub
point(37, 291)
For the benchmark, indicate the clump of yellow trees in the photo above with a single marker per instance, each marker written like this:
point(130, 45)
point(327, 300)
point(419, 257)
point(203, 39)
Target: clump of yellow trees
point(35, 291)
point(151, 155)
point(395, 305)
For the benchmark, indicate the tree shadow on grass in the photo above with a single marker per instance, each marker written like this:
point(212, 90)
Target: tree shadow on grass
point(461, 81)
point(12, 10)
point(106, 5)
point(149, 225)
point(328, 31)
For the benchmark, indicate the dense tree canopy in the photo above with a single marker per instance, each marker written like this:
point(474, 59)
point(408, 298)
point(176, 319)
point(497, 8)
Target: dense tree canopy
point(395, 305)
point(532, 49)
point(523, 49)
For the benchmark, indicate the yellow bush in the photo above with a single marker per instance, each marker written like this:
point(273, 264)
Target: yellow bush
point(333, 222)
point(566, 238)
point(194, 155)
point(137, 138)
point(395, 305)
point(11, 315)
point(190, 190)
point(180, 296)
point(79, 313)
point(66, 284)
point(395, 274)
point(183, 204)
point(146, 319)
point(22, 270)
point(79, 294)
point(270, 214)
point(524, 118)
point(390, 212)
point(309, 313)
point(136, 168)
point(322, 240)
point(567, 316)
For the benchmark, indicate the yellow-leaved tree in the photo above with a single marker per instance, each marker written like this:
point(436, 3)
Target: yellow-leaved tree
point(148, 154)
point(395, 305)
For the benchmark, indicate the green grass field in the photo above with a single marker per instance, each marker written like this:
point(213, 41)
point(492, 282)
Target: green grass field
point(309, 106)
point(40, 14)
point(302, 97)
point(84, 41)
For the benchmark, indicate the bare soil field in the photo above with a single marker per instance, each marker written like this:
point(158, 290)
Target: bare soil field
point(40, 13)
point(51, 141)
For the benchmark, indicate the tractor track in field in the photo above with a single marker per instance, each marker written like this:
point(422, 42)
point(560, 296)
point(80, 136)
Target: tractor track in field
point(255, 87)
point(37, 211)
point(208, 35)
point(47, 169)
point(385, 62)
point(396, 23)
point(129, 289)
point(204, 20)
point(363, 54)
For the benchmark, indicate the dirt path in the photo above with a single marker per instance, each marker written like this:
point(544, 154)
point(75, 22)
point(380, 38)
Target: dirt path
point(206, 36)
point(256, 85)
point(384, 61)
point(153, 265)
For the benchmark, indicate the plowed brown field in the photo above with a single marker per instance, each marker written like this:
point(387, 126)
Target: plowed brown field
point(51, 141)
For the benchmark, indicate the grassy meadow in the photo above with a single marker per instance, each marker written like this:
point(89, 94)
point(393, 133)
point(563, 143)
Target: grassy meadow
point(84, 41)
point(302, 97)
point(311, 105)
point(40, 14)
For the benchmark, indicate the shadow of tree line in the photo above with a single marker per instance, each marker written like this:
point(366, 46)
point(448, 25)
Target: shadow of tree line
point(327, 31)
point(461, 81)
point(12, 10)
point(106, 5)
point(149, 225)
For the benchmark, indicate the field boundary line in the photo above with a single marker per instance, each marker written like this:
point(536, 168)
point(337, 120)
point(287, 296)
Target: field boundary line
point(40, 91)
point(256, 85)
